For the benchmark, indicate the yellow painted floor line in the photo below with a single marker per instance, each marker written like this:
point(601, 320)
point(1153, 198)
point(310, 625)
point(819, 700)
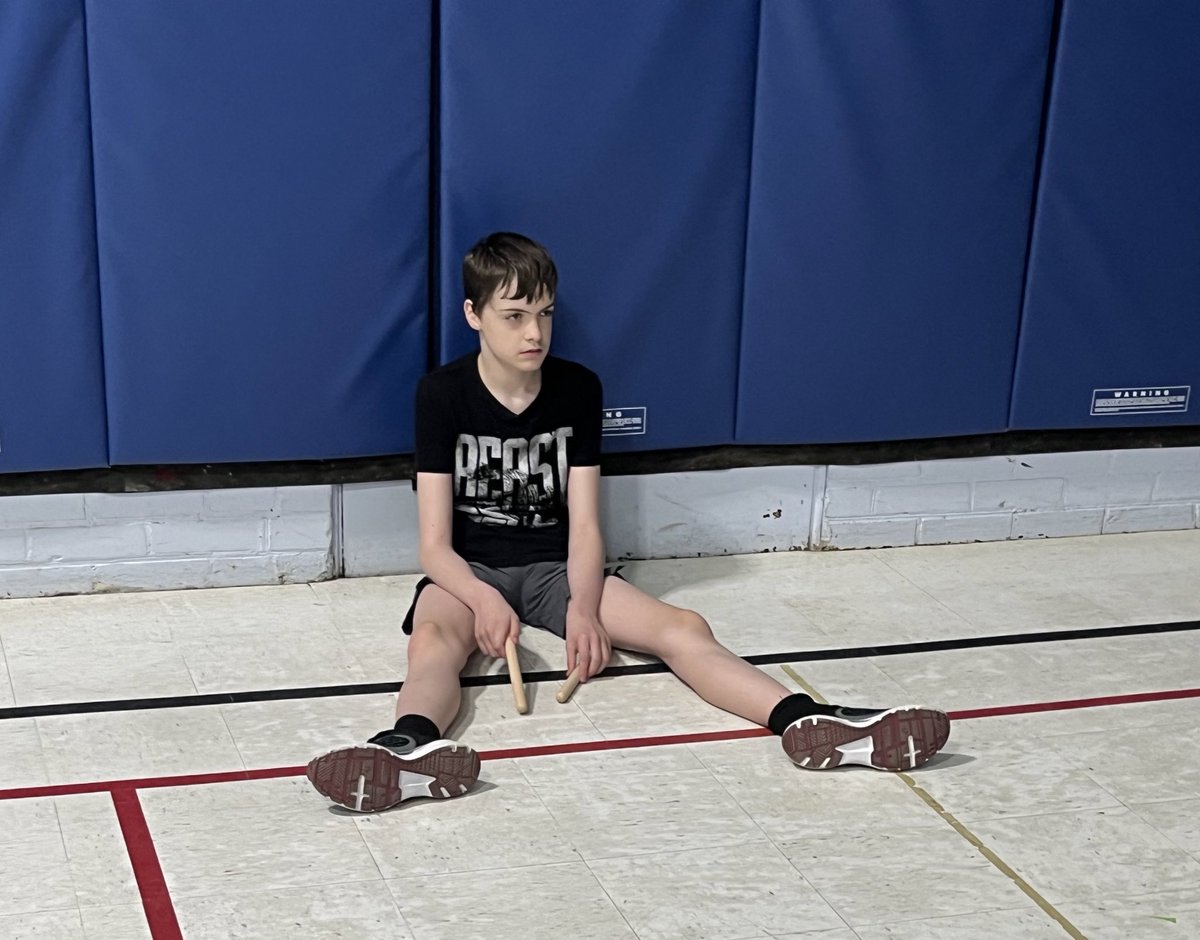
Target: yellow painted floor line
point(1050, 910)
point(804, 686)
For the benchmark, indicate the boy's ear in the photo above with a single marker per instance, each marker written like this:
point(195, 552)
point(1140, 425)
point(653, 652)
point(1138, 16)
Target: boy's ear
point(471, 315)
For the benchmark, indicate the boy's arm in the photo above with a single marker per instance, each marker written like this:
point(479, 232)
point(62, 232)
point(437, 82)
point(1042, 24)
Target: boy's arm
point(495, 620)
point(587, 641)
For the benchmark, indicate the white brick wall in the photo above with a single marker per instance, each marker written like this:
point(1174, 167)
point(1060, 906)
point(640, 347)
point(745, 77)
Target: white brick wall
point(57, 544)
point(1032, 496)
point(716, 512)
point(152, 541)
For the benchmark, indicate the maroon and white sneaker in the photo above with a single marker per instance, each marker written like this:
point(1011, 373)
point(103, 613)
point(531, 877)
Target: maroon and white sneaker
point(886, 739)
point(370, 777)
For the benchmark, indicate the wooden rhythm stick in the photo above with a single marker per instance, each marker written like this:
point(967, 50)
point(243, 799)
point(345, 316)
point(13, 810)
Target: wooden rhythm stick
point(568, 687)
point(514, 675)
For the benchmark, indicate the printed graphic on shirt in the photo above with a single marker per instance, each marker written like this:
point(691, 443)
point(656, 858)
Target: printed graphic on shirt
point(512, 482)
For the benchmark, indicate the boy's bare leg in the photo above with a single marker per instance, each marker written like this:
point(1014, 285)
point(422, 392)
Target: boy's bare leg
point(395, 764)
point(682, 639)
point(443, 638)
point(814, 735)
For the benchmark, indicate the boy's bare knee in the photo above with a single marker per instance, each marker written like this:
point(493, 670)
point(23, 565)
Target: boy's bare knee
point(695, 625)
point(687, 629)
point(430, 637)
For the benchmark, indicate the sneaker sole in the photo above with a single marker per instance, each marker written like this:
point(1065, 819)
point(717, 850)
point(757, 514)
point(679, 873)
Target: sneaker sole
point(368, 778)
point(899, 739)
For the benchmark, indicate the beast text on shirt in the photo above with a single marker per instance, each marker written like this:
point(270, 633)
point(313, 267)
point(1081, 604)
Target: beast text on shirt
point(516, 481)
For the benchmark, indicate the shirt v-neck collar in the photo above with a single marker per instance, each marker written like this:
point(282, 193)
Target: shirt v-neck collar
point(497, 406)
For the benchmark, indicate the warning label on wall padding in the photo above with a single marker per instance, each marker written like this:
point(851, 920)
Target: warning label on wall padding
point(1124, 401)
point(619, 421)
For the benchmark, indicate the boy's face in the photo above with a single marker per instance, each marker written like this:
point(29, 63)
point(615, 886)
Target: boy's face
point(514, 330)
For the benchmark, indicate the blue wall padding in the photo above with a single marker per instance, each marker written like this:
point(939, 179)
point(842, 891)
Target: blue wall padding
point(618, 134)
point(262, 205)
point(51, 372)
point(1113, 295)
point(892, 182)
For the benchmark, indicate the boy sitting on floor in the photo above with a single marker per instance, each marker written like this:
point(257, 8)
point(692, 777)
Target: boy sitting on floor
point(508, 489)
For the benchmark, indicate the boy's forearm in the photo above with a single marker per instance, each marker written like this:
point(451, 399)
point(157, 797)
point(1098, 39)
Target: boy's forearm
point(585, 569)
point(447, 569)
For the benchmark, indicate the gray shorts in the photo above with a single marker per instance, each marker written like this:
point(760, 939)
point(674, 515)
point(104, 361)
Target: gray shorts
point(538, 593)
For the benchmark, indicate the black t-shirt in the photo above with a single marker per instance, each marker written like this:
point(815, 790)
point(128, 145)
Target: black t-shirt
point(509, 472)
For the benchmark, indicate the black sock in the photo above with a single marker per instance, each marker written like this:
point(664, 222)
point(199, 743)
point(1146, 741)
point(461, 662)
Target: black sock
point(418, 727)
point(793, 708)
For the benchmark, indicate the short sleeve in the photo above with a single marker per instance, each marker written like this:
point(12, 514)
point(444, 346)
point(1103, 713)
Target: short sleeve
point(585, 445)
point(435, 429)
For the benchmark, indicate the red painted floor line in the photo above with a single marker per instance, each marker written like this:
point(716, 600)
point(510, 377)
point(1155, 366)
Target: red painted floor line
point(1129, 699)
point(574, 747)
point(156, 899)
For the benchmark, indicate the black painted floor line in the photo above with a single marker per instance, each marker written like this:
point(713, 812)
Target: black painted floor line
point(761, 659)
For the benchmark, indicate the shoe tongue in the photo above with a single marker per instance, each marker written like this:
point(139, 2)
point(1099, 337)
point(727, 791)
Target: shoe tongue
point(844, 712)
point(395, 741)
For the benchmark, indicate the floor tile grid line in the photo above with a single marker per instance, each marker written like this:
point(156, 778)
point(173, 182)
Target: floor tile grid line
point(7, 677)
point(787, 862)
point(147, 870)
point(501, 678)
point(996, 861)
point(572, 747)
point(578, 854)
point(586, 863)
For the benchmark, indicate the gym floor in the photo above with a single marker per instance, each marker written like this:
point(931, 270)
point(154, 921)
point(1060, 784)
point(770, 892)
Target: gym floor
point(152, 750)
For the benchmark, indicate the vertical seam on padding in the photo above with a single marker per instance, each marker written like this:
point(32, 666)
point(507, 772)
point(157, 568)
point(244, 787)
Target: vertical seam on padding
point(434, 315)
point(91, 135)
point(1036, 193)
point(737, 362)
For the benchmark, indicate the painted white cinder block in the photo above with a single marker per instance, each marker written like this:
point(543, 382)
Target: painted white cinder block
point(1057, 523)
point(153, 574)
point(83, 543)
point(1150, 518)
point(971, 470)
point(923, 498)
point(1176, 486)
point(290, 499)
point(41, 510)
point(1155, 459)
point(869, 533)
point(878, 473)
point(276, 568)
point(1012, 495)
point(300, 531)
point(143, 506)
point(971, 527)
point(256, 501)
point(846, 501)
point(1062, 466)
point(379, 529)
point(1111, 489)
point(203, 538)
point(101, 577)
